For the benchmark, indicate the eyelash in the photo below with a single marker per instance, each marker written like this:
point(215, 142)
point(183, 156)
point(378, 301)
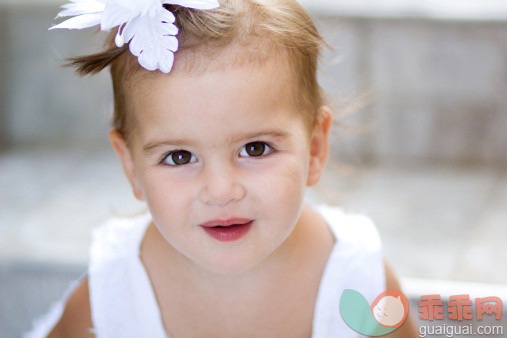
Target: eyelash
point(270, 149)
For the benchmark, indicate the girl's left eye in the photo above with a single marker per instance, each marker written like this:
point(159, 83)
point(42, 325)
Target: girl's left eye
point(255, 149)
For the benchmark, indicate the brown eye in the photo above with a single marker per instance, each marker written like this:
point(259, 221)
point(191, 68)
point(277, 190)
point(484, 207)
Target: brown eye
point(254, 149)
point(180, 157)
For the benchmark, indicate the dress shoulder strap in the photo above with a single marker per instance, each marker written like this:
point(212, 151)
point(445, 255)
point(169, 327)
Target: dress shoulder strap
point(354, 228)
point(122, 300)
point(356, 262)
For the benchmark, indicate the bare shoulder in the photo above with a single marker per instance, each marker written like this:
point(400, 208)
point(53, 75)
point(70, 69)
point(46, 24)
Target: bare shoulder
point(76, 320)
point(408, 328)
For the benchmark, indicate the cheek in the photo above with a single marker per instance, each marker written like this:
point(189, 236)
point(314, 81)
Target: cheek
point(283, 181)
point(165, 193)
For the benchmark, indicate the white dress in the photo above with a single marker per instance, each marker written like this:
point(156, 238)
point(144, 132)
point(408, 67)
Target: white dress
point(123, 303)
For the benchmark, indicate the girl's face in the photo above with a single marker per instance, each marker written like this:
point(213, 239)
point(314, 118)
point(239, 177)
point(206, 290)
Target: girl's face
point(220, 148)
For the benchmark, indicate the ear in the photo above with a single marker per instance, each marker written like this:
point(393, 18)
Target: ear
point(319, 146)
point(120, 147)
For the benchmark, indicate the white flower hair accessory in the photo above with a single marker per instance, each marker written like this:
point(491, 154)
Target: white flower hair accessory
point(145, 24)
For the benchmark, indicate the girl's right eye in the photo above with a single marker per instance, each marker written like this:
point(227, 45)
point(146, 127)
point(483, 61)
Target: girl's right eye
point(179, 157)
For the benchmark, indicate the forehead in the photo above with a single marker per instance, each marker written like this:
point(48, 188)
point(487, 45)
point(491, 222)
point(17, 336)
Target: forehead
point(258, 93)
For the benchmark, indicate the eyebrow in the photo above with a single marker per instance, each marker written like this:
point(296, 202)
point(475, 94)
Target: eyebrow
point(152, 145)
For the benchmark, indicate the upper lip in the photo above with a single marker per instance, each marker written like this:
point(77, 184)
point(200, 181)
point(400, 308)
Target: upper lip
point(225, 222)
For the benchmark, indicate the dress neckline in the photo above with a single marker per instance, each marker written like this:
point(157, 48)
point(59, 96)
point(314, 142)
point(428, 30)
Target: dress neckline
point(156, 323)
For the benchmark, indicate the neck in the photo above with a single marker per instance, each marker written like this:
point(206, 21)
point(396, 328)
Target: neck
point(258, 280)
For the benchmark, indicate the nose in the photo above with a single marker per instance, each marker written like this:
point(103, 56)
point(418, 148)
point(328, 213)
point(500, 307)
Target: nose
point(221, 185)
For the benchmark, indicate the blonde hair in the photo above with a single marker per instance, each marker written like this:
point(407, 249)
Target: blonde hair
point(261, 28)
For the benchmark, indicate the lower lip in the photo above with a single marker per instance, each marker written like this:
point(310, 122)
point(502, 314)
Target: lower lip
point(229, 233)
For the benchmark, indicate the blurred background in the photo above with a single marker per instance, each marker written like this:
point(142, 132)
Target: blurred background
point(419, 89)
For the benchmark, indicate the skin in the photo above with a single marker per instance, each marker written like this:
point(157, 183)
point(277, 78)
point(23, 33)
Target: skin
point(222, 181)
point(214, 116)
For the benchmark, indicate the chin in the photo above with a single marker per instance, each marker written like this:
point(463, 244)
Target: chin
point(231, 266)
point(232, 269)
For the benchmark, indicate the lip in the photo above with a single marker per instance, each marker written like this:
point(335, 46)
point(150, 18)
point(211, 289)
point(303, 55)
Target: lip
point(227, 230)
point(226, 222)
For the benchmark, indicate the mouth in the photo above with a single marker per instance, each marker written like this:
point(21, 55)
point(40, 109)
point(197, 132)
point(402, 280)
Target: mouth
point(227, 230)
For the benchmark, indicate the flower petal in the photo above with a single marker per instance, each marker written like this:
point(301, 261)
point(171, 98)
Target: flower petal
point(148, 61)
point(165, 63)
point(152, 41)
point(80, 22)
point(169, 43)
point(136, 46)
point(114, 16)
point(79, 7)
point(167, 16)
point(197, 4)
point(130, 28)
point(167, 29)
point(133, 6)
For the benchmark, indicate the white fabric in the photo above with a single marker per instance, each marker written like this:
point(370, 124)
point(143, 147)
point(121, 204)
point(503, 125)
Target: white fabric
point(121, 296)
point(123, 303)
point(356, 263)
